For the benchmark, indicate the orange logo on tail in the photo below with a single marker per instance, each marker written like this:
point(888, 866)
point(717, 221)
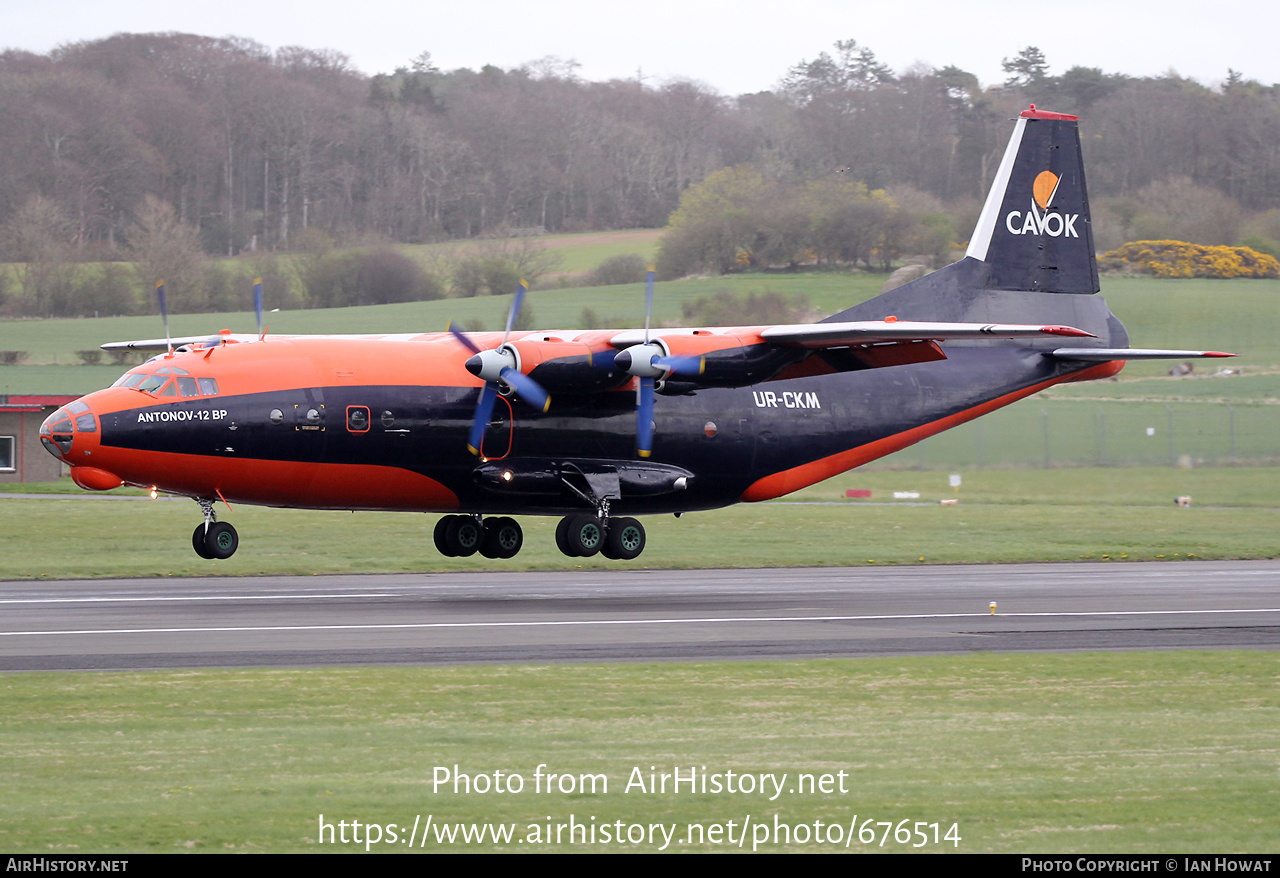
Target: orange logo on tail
point(1044, 187)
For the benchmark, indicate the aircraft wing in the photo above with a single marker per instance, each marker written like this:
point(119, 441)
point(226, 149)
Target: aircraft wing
point(860, 332)
point(825, 335)
point(163, 344)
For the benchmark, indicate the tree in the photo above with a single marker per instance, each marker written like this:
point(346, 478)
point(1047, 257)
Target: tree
point(163, 248)
point(714, 225)
point(1027, 70)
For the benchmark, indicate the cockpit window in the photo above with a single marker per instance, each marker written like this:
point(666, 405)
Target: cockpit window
point(129, 379)
point(153, 383)
point(159, 383)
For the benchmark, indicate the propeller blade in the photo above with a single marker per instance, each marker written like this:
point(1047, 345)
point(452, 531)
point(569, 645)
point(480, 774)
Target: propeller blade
point(515, 309)
point(526, 388)
point(484, 410)
point(644, 417)
point(164, 315)
point(257, 304)
point(461, 337)
point(648, 301)
point(689, 366)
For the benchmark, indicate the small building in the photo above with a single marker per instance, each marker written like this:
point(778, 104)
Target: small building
point(22, 457)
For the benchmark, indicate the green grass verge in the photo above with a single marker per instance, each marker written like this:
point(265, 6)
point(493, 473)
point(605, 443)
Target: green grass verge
point(1117, 752)
point(1003, 516)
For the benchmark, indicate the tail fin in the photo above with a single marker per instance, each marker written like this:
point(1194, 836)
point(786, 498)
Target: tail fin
point(1035, 232)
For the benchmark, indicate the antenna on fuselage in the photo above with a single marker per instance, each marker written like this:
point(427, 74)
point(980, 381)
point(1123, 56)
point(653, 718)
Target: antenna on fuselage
point(164, 317)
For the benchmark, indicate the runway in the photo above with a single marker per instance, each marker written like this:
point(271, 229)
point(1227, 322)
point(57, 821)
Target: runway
point(648, 615)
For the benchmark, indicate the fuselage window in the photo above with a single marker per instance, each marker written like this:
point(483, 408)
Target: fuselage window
point(357, 419)
point(388, 419)
point(277, 416)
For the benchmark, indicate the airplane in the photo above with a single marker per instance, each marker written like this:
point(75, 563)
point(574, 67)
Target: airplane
point(600, 426)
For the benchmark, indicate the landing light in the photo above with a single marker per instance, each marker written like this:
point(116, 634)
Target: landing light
point(154, 493)
point(506, 475)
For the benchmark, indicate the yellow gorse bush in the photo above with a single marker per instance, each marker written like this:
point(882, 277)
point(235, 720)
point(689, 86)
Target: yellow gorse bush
point(1181, 259)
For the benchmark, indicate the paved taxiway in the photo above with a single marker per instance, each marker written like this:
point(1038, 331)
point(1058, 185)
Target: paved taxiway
point(636, 615)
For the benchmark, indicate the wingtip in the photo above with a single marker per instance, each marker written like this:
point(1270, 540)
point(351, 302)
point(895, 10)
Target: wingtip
point(1067, 330)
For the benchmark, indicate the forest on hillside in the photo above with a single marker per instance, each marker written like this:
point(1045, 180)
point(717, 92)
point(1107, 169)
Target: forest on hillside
point(229, 147)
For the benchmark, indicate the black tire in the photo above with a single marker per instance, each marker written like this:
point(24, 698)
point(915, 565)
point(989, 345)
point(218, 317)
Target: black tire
point(502, 538)
point(464, 537)
point(625, 540)
point(585, 535)
point(197, 543)
point(441, 536)
point(562, 536)
point(221, 541)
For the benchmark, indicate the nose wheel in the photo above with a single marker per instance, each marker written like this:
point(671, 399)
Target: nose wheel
point(218, 542)
point(214, 540)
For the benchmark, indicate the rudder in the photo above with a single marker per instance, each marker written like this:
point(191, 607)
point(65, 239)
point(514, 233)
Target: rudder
point(1035, 232)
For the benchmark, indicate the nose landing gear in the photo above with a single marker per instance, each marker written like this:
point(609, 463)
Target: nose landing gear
point(214, 540)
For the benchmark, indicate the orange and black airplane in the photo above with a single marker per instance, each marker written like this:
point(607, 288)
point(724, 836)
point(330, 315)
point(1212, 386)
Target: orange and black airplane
point(599, 426)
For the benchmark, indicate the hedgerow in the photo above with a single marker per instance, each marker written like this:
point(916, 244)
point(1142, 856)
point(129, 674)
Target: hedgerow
point(1181, 259)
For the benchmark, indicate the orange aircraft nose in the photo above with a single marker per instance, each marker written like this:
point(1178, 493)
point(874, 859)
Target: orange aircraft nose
point(70, 434)
point(57, 433)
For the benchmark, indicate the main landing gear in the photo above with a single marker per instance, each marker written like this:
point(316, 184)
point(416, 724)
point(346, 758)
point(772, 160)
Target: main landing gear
point(459, 536)
point(214, 540)
point(618, 539)
point(578, 536)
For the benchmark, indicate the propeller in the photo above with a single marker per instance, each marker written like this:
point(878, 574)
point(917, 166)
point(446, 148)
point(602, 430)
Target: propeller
point(500, 370)
point(164, 316)
point(650, 363)
point(257, 306)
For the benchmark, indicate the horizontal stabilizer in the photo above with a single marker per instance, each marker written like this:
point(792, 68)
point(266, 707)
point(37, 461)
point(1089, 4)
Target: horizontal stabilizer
point(1103, 355)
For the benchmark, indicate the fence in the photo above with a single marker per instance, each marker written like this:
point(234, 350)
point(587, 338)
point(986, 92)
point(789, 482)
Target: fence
point(1052, 433)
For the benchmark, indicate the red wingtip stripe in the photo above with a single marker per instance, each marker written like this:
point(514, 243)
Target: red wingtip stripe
point(1067, 330)
point(1219, 354)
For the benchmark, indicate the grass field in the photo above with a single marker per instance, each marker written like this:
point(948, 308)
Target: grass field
point(1003, 516)
point(1117, 752)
